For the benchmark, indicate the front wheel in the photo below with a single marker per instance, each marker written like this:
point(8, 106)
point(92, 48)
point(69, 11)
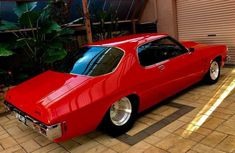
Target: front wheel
point(213, 73)
point(120, 117)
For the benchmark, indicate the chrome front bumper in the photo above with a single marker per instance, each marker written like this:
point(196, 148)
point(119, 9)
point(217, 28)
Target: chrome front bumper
point(51, 132)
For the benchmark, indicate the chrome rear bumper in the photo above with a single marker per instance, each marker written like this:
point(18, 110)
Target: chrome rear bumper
point(51, 132)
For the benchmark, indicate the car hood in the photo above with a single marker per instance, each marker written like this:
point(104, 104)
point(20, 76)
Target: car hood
point(35, 95)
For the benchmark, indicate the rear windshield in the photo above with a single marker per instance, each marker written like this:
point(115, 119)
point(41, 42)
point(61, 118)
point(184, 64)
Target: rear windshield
point(93, 61)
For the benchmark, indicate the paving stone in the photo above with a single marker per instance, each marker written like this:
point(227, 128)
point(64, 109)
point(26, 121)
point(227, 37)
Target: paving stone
point(3, 120)
point(226, 129)
point(202, 148)
point(225, 111)
point(70, 144)
point(20, 151)
point(1, 148)
point(161, 133)
point(232, 118)
point(139, 147)
point(7, 142)
point(82, 139)
point(11, 149)
point(169, 111)
point(27, 137)
point(97, 149)
point(174, 126)
point(14, 131)
point(9, 124)
point(23, 127)
point(160, 109)
point(107, 140)
point(85, 147)
point(152, 139)
point(94, 134)
point(155, 117)
point(138, 126)
point(230, 123)
point(120, 147)
point(216, 151)
point(30, 146)
point(110, 151)
point(221, 115)
point(146, 120)
point(213, 139)
point(227, 145)
point(198, 129)
point(182, 146)
point(3, 136)
point(153, 149)
point(185, 119)
point(42, 141)
point(59, 150)
point(168, 142)
point(191, 151)
point(47, 148)
point(190, 135)
point(22, 134)
point(1, 128)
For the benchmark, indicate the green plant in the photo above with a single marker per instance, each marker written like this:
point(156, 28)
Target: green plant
point(103, 30)
point(41, 38)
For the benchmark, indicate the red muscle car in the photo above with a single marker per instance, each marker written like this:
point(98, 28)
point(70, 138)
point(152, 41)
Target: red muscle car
point(109, 82)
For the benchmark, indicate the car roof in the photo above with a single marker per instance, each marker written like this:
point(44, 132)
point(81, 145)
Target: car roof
point(130, 41)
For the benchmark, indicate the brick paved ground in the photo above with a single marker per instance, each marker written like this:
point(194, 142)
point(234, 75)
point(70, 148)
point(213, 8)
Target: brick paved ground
point(209, 127)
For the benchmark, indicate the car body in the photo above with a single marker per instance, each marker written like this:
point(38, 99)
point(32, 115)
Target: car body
point(65, 105)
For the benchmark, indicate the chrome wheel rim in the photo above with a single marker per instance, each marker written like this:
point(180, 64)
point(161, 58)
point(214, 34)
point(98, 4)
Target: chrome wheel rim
point(214, 70)
point(120, 111)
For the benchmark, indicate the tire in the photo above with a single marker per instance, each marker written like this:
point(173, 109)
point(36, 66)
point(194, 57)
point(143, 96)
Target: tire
point(120, 117)
point(213, 73)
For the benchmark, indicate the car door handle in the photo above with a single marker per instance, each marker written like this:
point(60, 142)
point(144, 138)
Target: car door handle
point(161, 67)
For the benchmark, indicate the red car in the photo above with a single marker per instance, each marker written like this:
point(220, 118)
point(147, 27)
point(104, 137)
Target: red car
point(108, 82)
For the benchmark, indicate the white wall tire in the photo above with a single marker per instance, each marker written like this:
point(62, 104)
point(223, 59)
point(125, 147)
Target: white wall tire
point(120, 111)
point(120, 117)
point(213, 73)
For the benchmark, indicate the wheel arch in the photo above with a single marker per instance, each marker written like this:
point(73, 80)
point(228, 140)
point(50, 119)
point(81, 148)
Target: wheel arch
point(133, 97)
point(218, 58)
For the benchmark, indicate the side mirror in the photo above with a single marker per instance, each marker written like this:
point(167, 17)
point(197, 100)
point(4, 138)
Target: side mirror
point(191, 49)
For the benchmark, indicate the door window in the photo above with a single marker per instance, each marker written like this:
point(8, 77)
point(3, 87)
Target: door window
point(159, 50)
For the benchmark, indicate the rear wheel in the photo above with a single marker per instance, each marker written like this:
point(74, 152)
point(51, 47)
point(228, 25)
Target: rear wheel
point(213, 73)
point(120, 117)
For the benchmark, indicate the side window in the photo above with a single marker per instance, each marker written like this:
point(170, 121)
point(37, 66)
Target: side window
point(159, 50)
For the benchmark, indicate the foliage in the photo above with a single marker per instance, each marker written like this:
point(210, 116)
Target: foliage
point(4, 51)
point(104, 31)
point(59, 11)
point(42, 39)
point(104, 22)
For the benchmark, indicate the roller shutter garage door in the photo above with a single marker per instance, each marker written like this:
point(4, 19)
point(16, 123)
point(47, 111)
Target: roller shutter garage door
point(207, 21)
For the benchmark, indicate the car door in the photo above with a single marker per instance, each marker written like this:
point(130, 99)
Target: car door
point(181, 67)
point(168, 68)
point(151, 76)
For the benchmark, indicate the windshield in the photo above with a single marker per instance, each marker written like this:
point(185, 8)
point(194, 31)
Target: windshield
point(93, 61)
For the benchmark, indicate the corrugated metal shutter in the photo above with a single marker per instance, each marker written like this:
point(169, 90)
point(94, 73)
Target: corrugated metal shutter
point(207, 21)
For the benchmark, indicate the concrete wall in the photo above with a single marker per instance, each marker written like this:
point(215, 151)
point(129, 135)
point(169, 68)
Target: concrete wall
point(164, 12)
point(150, 12)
